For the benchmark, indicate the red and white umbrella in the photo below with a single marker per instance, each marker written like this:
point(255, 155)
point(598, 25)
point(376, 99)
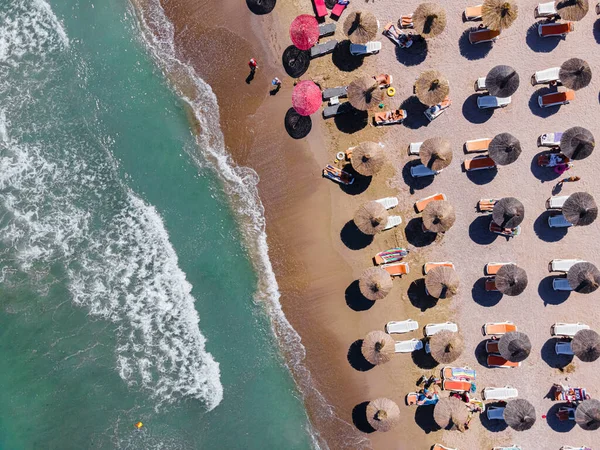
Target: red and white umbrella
point(304, 31)
point(306, 98)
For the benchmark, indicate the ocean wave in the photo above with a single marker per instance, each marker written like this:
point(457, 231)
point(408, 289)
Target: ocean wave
point(62, 204)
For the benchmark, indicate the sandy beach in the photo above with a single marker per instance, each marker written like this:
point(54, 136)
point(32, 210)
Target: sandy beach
point(318, 259)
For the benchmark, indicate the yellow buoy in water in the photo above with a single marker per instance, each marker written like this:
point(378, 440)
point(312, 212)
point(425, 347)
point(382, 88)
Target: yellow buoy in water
point(139, 425)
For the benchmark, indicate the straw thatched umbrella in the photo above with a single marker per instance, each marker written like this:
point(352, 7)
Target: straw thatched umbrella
point(304, 31)
point(586, 345)
point(378, 347)
point(375, 283)
point(306, 98)
point(361, 27)
point(438, 216)
point(502, 81)
point(371, 218)
point(514, 346)
point(508, 212)
point(368, 158)
point(442, 282)
point(575, 74)
point(364, 93)
point(519, 414)
point(580, 209)
point(504, 149)
point(499, 14)
point(577, 143)
point(295, 61)
point(584, 277)
point(436, 153)
point(383, 414)
point(572, 9)
point(446, 346)
point(587, 414)
point(431, 87)
point(511, 280)
point(429, 20)
point(261, 6)
point(451, 410)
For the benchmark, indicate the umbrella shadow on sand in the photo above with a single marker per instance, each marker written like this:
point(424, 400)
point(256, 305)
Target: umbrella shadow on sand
point(359, 418)
point(495, 426)
point(356, 358)
point(597, 31)
point(548, 353)
point(483, 297)
point(542, 173)
point(481, 177)
point(354, 298)
point(423, 360)
point(418, 296)
point(361, 182)
point(353, 238)
point(481, 353)
point(479, 231)
point(538, 43)
point(553, 422)
point(549, 295)
point(415, 54)
point(415, 113)
point(470, 51)
point(472, 113)
point(343, 59)
point(352, 121)
point(416, 236)
point(415, 184)
point(424, 418)
point(535, 107)
point(546, 233)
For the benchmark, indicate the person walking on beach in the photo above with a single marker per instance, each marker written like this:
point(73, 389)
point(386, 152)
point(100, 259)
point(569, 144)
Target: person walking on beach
point(253, 66)
point(568, 180)
point(276, 82)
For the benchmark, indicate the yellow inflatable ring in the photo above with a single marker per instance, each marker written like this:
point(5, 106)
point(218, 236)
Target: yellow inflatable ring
point(391, 91)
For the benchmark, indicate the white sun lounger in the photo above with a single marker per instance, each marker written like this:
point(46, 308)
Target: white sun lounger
point(433, 328)
point(495, 413)
point(480, 84)
point(422, 171)
point(562, 265)
point(563, 348)
point(546, 10)
point(567, 329)
point(409, 346)
point(370, 48)
point(561, 284)
point(393, 221)
point(388, 202)
point(490, 101)
point(556, 202)
point(547, 75)
point(499, 393)
point(568, 447)
point(414, 148)
point(549, 139)
point(558, 222)
point(404, 326)
point(512, 447)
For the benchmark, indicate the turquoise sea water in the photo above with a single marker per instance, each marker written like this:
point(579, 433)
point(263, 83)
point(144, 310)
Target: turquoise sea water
point(126, 293)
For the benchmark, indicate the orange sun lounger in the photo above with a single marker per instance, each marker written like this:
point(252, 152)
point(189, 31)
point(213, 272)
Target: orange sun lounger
point(431, 265)
point(498, 328)
point(499, 361)
point(477, 145)
point(421, 204)
point(493, 268)
point(491, 346)
point(479, 163)
point(555, 29)
point(490, 285)
point(486, 204)
point(396, 269)
point(556, 98)
point(483, 35)
point(456, 385)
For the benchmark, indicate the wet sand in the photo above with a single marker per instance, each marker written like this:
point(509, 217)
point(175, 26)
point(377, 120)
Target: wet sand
point(316, 256)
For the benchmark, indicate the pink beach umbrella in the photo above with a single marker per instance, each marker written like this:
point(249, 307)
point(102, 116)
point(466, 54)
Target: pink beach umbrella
point(304, 31)
point(306, 98)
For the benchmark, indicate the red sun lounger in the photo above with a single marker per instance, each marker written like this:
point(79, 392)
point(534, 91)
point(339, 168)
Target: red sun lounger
point(320, 8)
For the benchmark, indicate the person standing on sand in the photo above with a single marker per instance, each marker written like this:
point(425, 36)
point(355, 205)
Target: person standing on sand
point(253, 64)
point(568, 180)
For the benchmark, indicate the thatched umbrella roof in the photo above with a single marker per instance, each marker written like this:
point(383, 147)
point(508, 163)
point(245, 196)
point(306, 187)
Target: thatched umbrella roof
point(439, 216)
point(368, 158)
point(304, 31)
point(296, 125)
point(436, 153)
point(584, 277)
point(364, 93)
point(575, 74)
point(375, 283)
point(587, 414)
point(361, 27)
point(499, 14)
point(586, 345)
point(572, 9)
point(295, 61)
point(378, 347)
point(580, 209)
point(446, 346)
point(451, 410)
point(511, 280)
point(261, 7)
point(504, 149)
point(577, 143)
point(306, 98)
point(519, 414)
point(442, 282)
point(371, 217)
point(429, 19)
point(431, 87)
point(508, 212)
point(383, 414)
point(502, 81)
point(514, 346)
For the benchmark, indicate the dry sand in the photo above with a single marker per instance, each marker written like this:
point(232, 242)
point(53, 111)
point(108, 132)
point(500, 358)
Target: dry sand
point(317, 262)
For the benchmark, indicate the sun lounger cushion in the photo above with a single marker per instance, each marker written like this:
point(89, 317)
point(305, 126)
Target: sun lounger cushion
point(326, 29)
point(480, 36)
point(567, 329)
point(404, 326)
point(456, 385)
point(499, 393)
point(563, 348)
point(320, 8)
point(558, 222)
point(323, 49)
point(492, 268)
point(547, 75)
point(431, 265)
point(473, 12)
point(561, 284)
point(459, 372)
point(477, 145)
point(340, 91)
point(555, 29)
point(479, 163)
point(495, 413)
point(499, 361)
point(334, 110)
point(422, 171)
point(491, 346)
point(337, 10)
point(498, 328)
point(433, 328)
point(421, 204)
point(554, 98)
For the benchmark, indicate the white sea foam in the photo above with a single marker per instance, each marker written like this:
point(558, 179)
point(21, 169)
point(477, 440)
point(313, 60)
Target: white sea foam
point(240, 184)
point(62, 204)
